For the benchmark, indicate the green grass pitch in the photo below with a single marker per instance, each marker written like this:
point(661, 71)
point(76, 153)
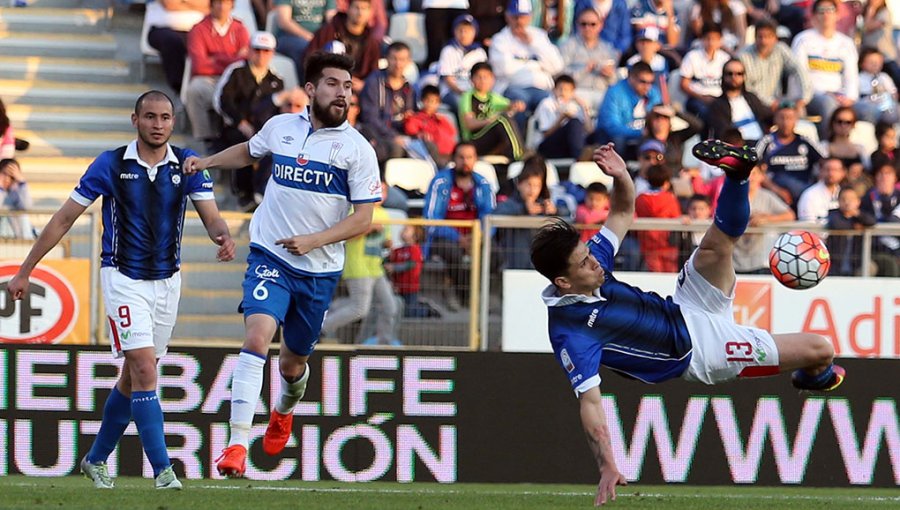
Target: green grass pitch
point(18, 492)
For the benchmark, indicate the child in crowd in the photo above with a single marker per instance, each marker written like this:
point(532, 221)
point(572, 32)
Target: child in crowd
point(846, 250)
point(877, 91)
point(562, 120)
point(594, 210)
point(405, 267)
point(433, 128)
point(887, 152)
point(699, 209)
point(457, 59)
point(660, 255)
point(486, 117)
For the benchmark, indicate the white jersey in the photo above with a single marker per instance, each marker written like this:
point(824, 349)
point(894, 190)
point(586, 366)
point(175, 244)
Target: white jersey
point(316, 175)
point(831, 62)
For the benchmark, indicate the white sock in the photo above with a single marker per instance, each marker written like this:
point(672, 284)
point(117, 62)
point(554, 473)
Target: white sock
point(291, 392)
point(246, 385)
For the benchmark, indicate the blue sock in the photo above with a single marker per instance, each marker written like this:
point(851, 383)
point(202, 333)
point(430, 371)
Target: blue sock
point(116, 417)
point(733, 207)
point(819, 380)
point(149, 420)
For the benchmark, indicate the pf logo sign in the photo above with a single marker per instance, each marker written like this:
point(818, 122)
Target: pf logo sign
point(45, 314)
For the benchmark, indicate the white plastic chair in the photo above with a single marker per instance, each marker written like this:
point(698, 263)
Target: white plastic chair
point(864, 134)
point(584, 173)
point(409, 174)
point(395, 229)
point(284, 66)
point(531, 133)
point(270, 21)
point(808, 130)
point(149, 53)
point(488, 171)
point(515, 169)
point(409, 27)
point(243, 10)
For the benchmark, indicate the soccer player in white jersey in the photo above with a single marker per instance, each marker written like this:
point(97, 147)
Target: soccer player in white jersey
point(320, 167)
point(595, 319)
point(145, 195)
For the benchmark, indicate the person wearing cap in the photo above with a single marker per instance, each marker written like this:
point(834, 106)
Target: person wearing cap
point(831, 59)
point(651, 152)
point(737, 107)
point(523, 58)
point(659, 14)
point(457, 58)
point(790, 158)
point(768, 62)
point(659, 127)
point(616, 26)
point(647, 45)
point(213, 44)
point(169, 28)
point(440, 23)
point(243, 86)
point(295, 23)
point(590, 60)
point(701, 71)
point(623, 112)
point(349, 33)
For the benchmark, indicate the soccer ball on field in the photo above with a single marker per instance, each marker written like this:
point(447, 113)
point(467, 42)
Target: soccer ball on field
point(799, 260)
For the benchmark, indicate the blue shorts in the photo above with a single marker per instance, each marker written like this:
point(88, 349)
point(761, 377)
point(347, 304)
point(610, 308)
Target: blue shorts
point(297, 301)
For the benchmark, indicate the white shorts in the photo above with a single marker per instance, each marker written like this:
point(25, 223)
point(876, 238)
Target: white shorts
point(141, 313)
point(722, 350)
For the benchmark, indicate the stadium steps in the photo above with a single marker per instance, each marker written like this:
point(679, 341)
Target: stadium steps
point(53, 170)
point(86, 70)
point(203, 325)
point(81, 143)
point(59, 93)
point(57, 44)
point(40, 117)
point(50, 19)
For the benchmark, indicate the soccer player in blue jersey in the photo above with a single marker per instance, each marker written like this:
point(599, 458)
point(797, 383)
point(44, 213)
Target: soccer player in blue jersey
point(320, 167)
point(145, 194)
point(595, 319)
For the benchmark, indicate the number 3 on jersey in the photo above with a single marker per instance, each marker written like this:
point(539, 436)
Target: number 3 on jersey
point(260, 292)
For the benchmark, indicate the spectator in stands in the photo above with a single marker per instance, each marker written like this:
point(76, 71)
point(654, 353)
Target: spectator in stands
point(590, 60)
point(456, 193)
point(378, 21)
point(822, 197)
point(432, 127)
point(524, 59)
point(708, 179)
point(650, 153)
point(561, 121)
point(168, 34)
point(405, 267)
point(366, 282)
point(839, 145)
point(660, 255)
point(887, 152)
point(294, 100)
point(594, 210)
point(440, 23)
point(731, 15)
point(878, 33)
point(243, 88)
point(623, 112)
point(485, 117)
point(883, 202)
point(15, 196)
point(490, 17)
point(7, 135)
point(457, 58)
point(349, 33)
point(846, 250)
point(830, 58)
point(296, 21)
point(615, 21)
point(789, 157)
point(387, 100)
point(215, 43)
point(659, 127)
point(532, 198)
point(699, 210)
point(751, 251)
point(769, 64)
point(701, 71)
point(647, 45)
point(877, 91)
point(737, 107)
point(659, 14)
point(790, 15)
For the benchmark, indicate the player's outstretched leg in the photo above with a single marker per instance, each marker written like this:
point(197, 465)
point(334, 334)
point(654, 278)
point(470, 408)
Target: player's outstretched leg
point(293, 387)
point(737, 162)
point(116, 417)
point(810, 357)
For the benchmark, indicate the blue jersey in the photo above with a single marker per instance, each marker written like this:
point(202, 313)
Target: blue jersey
point(638, 334)
point(143, 209)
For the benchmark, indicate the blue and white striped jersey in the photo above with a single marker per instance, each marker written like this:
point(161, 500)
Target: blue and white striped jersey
point(638, 334)
point(316, 176)
point(143, 208)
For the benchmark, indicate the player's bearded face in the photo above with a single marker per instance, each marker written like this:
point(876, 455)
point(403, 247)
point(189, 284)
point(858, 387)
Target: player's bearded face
point(331, 112)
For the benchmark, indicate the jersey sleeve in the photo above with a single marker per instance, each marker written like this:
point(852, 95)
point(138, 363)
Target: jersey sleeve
point(603, 246)
point(95, 182)
point(365, 184)
point(259, 143)
point(199, 185)
point(578, 354)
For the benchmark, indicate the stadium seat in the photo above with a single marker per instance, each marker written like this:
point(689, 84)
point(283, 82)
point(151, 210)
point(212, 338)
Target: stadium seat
point(243, 10)
point(270, 21)
point(395, 229)
point(531, 138)
point(409, 174)
point(583, 173)
point(185, 80)
point(488, 171)
point(864, 134)
point(808, 130)
point(148, 53)
point(677, 97)
point(409, 27)
point(284, 67)
point(515, 168)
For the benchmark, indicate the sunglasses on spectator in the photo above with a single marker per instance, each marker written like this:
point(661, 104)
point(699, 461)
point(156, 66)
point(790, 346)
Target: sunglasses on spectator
point(588, 23)
point(847, 122)
point(734, 73)
point(646, 82)
point(652, 156)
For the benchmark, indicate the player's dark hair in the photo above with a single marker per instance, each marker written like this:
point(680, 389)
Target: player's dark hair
point(480, 66)
point(639, 68)
point(321, 60)
point(881, 129)
point(552, 246)
point(597, 187)
point(658, 175)
point(430, 90)
point(151, 95)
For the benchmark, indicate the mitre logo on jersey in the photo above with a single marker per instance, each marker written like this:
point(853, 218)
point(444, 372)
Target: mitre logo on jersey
point(592, 318)
point(129, 176)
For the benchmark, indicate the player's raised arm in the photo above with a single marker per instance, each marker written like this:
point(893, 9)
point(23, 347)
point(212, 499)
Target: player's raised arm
point(593, 419)
point(59, 224)
point(621, 207)
point(232, 158)
point(216, 228)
